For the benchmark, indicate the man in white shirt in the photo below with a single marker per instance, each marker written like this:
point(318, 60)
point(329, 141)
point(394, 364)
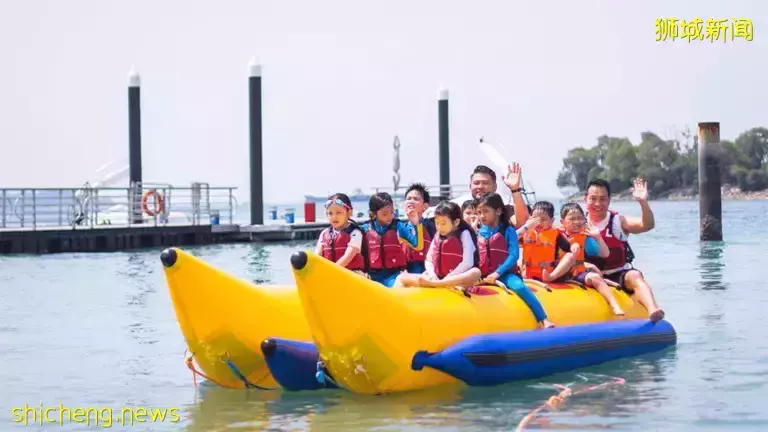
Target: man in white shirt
point(615, 230)
point(483, 181)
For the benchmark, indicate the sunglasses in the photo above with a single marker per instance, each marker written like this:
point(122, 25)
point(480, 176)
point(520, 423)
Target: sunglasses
point(338, 202)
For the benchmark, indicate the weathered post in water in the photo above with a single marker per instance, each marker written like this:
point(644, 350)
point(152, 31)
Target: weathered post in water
point(257, 178)
point(710, 203)
point(442, 124)
point(134, 144)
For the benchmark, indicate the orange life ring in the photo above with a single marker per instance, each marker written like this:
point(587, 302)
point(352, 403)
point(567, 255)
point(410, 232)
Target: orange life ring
point(159, 205)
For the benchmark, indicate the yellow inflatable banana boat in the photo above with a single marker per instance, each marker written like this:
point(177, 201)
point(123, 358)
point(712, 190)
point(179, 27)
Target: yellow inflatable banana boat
point(367, 334)
point(224, 319)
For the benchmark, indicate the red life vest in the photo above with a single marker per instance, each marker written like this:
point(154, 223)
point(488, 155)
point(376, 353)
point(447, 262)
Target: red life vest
point(385, 251)
point(620, 252)
point(335, 246)
point(493, 252)
point(420, 256)
point(447, 253)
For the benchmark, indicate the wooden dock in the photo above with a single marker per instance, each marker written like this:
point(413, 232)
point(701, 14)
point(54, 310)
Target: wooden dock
point(43, 240)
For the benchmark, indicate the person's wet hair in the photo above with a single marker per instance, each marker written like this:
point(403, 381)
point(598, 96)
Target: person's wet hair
point(378, 201)
point(421, 188)
point(468, 204)
point(600, 183)
point(570, 207)
point(482, 169)
point(546, 207)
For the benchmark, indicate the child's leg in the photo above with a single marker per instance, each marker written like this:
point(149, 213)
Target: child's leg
point(595, 281)
point(465, 279)
point(406, 280)
point(389, 281)
point(384, 277)
point(516, 284)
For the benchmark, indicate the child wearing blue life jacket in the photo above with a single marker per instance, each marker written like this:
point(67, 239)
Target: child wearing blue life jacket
point(417, 198)
point(500, 250)
point(342, 242)
point(452, 258)
point(383, 234)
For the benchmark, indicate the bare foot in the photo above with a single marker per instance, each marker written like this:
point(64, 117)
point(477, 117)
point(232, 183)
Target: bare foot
point(656, 315)
point(547, 324)
point(618, 311)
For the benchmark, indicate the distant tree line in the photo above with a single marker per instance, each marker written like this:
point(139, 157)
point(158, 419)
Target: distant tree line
point(666, 164)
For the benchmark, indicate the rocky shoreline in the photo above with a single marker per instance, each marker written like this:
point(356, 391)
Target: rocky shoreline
point(682, 194)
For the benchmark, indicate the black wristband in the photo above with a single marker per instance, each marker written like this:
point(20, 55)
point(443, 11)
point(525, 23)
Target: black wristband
point(516, 190)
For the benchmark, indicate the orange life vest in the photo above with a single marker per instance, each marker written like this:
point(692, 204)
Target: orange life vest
point(581, 240)
point(539, 252)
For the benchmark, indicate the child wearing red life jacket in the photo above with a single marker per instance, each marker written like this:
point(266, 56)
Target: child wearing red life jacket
point(452, 258)
point(541, 247)
point(383, 234)
point(342, 242)
point(590, 243)
point(417, 198)
point(499, 251)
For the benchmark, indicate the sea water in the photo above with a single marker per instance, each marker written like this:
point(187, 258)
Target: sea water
point(99, 330)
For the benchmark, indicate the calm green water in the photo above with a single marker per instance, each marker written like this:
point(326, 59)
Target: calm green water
point(98, 330)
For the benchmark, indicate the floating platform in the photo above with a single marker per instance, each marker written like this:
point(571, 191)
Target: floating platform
point(107, 238)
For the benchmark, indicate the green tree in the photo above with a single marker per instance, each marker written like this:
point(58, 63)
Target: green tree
point(576, 167)
point(620, 163)
point(666, 164)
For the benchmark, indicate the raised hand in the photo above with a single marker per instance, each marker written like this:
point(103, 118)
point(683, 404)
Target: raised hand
point(575, 248)
point(640, 190)
point(412, 214)
point(532, 222)
point(514, 176)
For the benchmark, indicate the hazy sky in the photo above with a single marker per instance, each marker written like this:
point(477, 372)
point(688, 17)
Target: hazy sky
point(342, 78)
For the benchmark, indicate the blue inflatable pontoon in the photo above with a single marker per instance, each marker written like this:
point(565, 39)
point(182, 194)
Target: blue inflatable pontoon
point(503, 357)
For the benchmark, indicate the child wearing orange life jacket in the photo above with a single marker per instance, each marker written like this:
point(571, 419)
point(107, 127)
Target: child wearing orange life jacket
point(542, 244)
point(499, 251)
point(383, 234)
point(417, 198)
point(452, 258)
point(342, 242)
point(591, 243)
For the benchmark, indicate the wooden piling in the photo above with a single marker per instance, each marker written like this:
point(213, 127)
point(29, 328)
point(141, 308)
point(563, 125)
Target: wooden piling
point(710, 200)
point(256, 162)
point(134, 144)
point(443, 138)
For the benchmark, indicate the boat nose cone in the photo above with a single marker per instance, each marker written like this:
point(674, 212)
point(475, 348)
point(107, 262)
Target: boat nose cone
point(299, 260)
point(268, 347)
point(168, 257)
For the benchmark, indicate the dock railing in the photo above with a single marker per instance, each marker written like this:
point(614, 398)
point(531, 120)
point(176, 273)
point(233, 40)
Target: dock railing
point(146, 204)
point(449, 191)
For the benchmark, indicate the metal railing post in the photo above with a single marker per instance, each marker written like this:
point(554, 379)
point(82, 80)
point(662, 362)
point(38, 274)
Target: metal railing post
point(23, 202)
point(96, 205)
point(4, 198)
point(34, 209)
point(61, 203)
point(231, 216)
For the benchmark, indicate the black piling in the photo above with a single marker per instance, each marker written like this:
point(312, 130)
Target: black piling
point(442, 124)
point(710, 201)
point(257, 178)
point(134, 143)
